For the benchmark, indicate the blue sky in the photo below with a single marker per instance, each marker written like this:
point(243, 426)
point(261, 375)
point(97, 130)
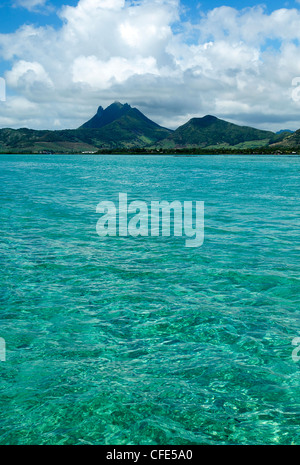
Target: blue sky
point(14, 15)
point(172, 59)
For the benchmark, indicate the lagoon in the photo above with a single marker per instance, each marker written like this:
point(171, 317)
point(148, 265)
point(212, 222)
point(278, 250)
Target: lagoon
point(141, 340)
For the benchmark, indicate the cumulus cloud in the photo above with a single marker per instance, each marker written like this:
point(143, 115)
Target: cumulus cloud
point(102, 75)
point(235, 64)
point(26, 73)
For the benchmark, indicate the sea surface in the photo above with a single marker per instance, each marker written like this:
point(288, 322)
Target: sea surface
point(141, 340)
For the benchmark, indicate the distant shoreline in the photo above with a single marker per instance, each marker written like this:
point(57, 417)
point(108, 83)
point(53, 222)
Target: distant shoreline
point(174, 154)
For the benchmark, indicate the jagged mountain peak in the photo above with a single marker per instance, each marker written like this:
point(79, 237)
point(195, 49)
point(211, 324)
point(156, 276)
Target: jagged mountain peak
point(103, 117)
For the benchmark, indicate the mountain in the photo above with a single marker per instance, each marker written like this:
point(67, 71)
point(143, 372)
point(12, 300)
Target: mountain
point(213, 132)
point(118, 117)
point(284, 130)
point(122, 127)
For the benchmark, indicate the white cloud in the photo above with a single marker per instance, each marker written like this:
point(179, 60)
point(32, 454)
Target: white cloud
point(26, 110)
point(102, 75)
point(111, 50)
point(27, 74)
point(31, 5)
point(251, 25)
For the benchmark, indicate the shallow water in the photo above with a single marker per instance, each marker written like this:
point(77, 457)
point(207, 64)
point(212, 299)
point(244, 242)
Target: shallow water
point(124, 340)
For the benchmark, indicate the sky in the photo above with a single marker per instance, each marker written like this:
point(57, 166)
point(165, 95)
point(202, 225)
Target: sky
point(172, 59)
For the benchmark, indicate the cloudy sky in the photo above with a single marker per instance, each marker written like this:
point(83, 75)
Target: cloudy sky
point(237, 60)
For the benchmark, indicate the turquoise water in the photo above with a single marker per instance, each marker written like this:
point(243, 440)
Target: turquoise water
point(127, 340)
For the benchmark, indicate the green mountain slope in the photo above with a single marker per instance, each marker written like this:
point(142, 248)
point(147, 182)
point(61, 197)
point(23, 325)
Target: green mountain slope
point(212, 132)
point(29, 140)
point(290, 141)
